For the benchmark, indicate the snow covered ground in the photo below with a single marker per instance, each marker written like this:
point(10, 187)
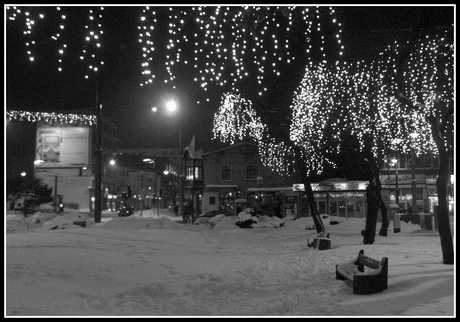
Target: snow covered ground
point(156, 266)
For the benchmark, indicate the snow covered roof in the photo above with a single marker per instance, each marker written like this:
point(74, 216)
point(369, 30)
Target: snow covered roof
point(236, 145)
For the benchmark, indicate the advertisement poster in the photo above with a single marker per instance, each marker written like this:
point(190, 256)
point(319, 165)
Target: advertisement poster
point(62, 146)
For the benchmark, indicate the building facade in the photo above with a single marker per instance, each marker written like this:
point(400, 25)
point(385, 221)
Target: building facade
point(235, 174)
point(406, 177)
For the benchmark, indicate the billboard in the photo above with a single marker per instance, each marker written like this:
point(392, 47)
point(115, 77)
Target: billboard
point(62, 146)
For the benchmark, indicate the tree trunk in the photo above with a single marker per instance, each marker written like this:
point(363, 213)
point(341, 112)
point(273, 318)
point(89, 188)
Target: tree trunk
point(383, 209)
point(445, 233)
point(313, 209)
point(443, 219)
point(303, 173)
point(372, 212)
point(373, 196)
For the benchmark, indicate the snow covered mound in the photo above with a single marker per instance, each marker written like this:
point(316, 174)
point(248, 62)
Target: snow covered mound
point(269, 222)
point(17, 222)
point(135, 222)
point(68, 221)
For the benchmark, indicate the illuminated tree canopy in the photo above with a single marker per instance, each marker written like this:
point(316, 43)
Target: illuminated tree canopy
point(362, 96)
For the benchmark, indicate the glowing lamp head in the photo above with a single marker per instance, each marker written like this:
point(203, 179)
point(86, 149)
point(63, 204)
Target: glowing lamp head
point(171, 106)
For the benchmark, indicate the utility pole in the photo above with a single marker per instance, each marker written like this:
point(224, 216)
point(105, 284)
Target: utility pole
point(98, 159)
point(181, 182)
point(56, 206)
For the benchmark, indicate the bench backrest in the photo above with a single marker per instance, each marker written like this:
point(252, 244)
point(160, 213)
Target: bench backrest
point(369, 262)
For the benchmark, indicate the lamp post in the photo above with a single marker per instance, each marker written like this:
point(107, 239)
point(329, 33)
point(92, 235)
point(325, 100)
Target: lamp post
point(106, 181)
point(389, 164)
point(171, 107)
point(152, 161)
point(395, 162)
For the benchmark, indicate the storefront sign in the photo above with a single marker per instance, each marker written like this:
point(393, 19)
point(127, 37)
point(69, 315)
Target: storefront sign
point(298, 187)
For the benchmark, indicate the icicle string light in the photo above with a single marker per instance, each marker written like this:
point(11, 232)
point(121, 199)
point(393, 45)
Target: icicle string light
point(230, 44)
point(55, 19)
point(223, 47)
point(52, 117)
point(93, 41)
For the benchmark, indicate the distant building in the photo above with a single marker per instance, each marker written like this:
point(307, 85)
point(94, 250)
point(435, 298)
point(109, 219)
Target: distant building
point(406, 176)
point(235, 174)
point(64, 158)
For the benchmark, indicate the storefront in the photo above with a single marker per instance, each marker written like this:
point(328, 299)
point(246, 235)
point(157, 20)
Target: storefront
point(332, 197)
point(279, 201)
point(219, 197)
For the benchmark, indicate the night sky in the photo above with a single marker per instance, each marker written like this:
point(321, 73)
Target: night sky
point(38, 86)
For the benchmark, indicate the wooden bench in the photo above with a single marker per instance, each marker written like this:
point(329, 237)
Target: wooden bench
point(373, 280)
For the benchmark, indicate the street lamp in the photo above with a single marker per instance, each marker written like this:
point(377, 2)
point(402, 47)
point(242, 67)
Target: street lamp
point(395, 163)
point(105, 183)
point(152, 161)
point(172, 107)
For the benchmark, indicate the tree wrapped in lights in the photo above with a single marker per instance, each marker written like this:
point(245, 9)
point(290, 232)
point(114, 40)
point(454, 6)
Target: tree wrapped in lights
point(419, 75)
point(236, 119)
point(368, 118)
point(401, 103)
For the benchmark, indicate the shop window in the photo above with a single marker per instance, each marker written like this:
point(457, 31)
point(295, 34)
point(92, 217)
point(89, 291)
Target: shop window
point(350, 208)
point(226, 201)
point(359, 208)
point(342, 209)
point(333, 208)
point(407, 193)
point(322, 207)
